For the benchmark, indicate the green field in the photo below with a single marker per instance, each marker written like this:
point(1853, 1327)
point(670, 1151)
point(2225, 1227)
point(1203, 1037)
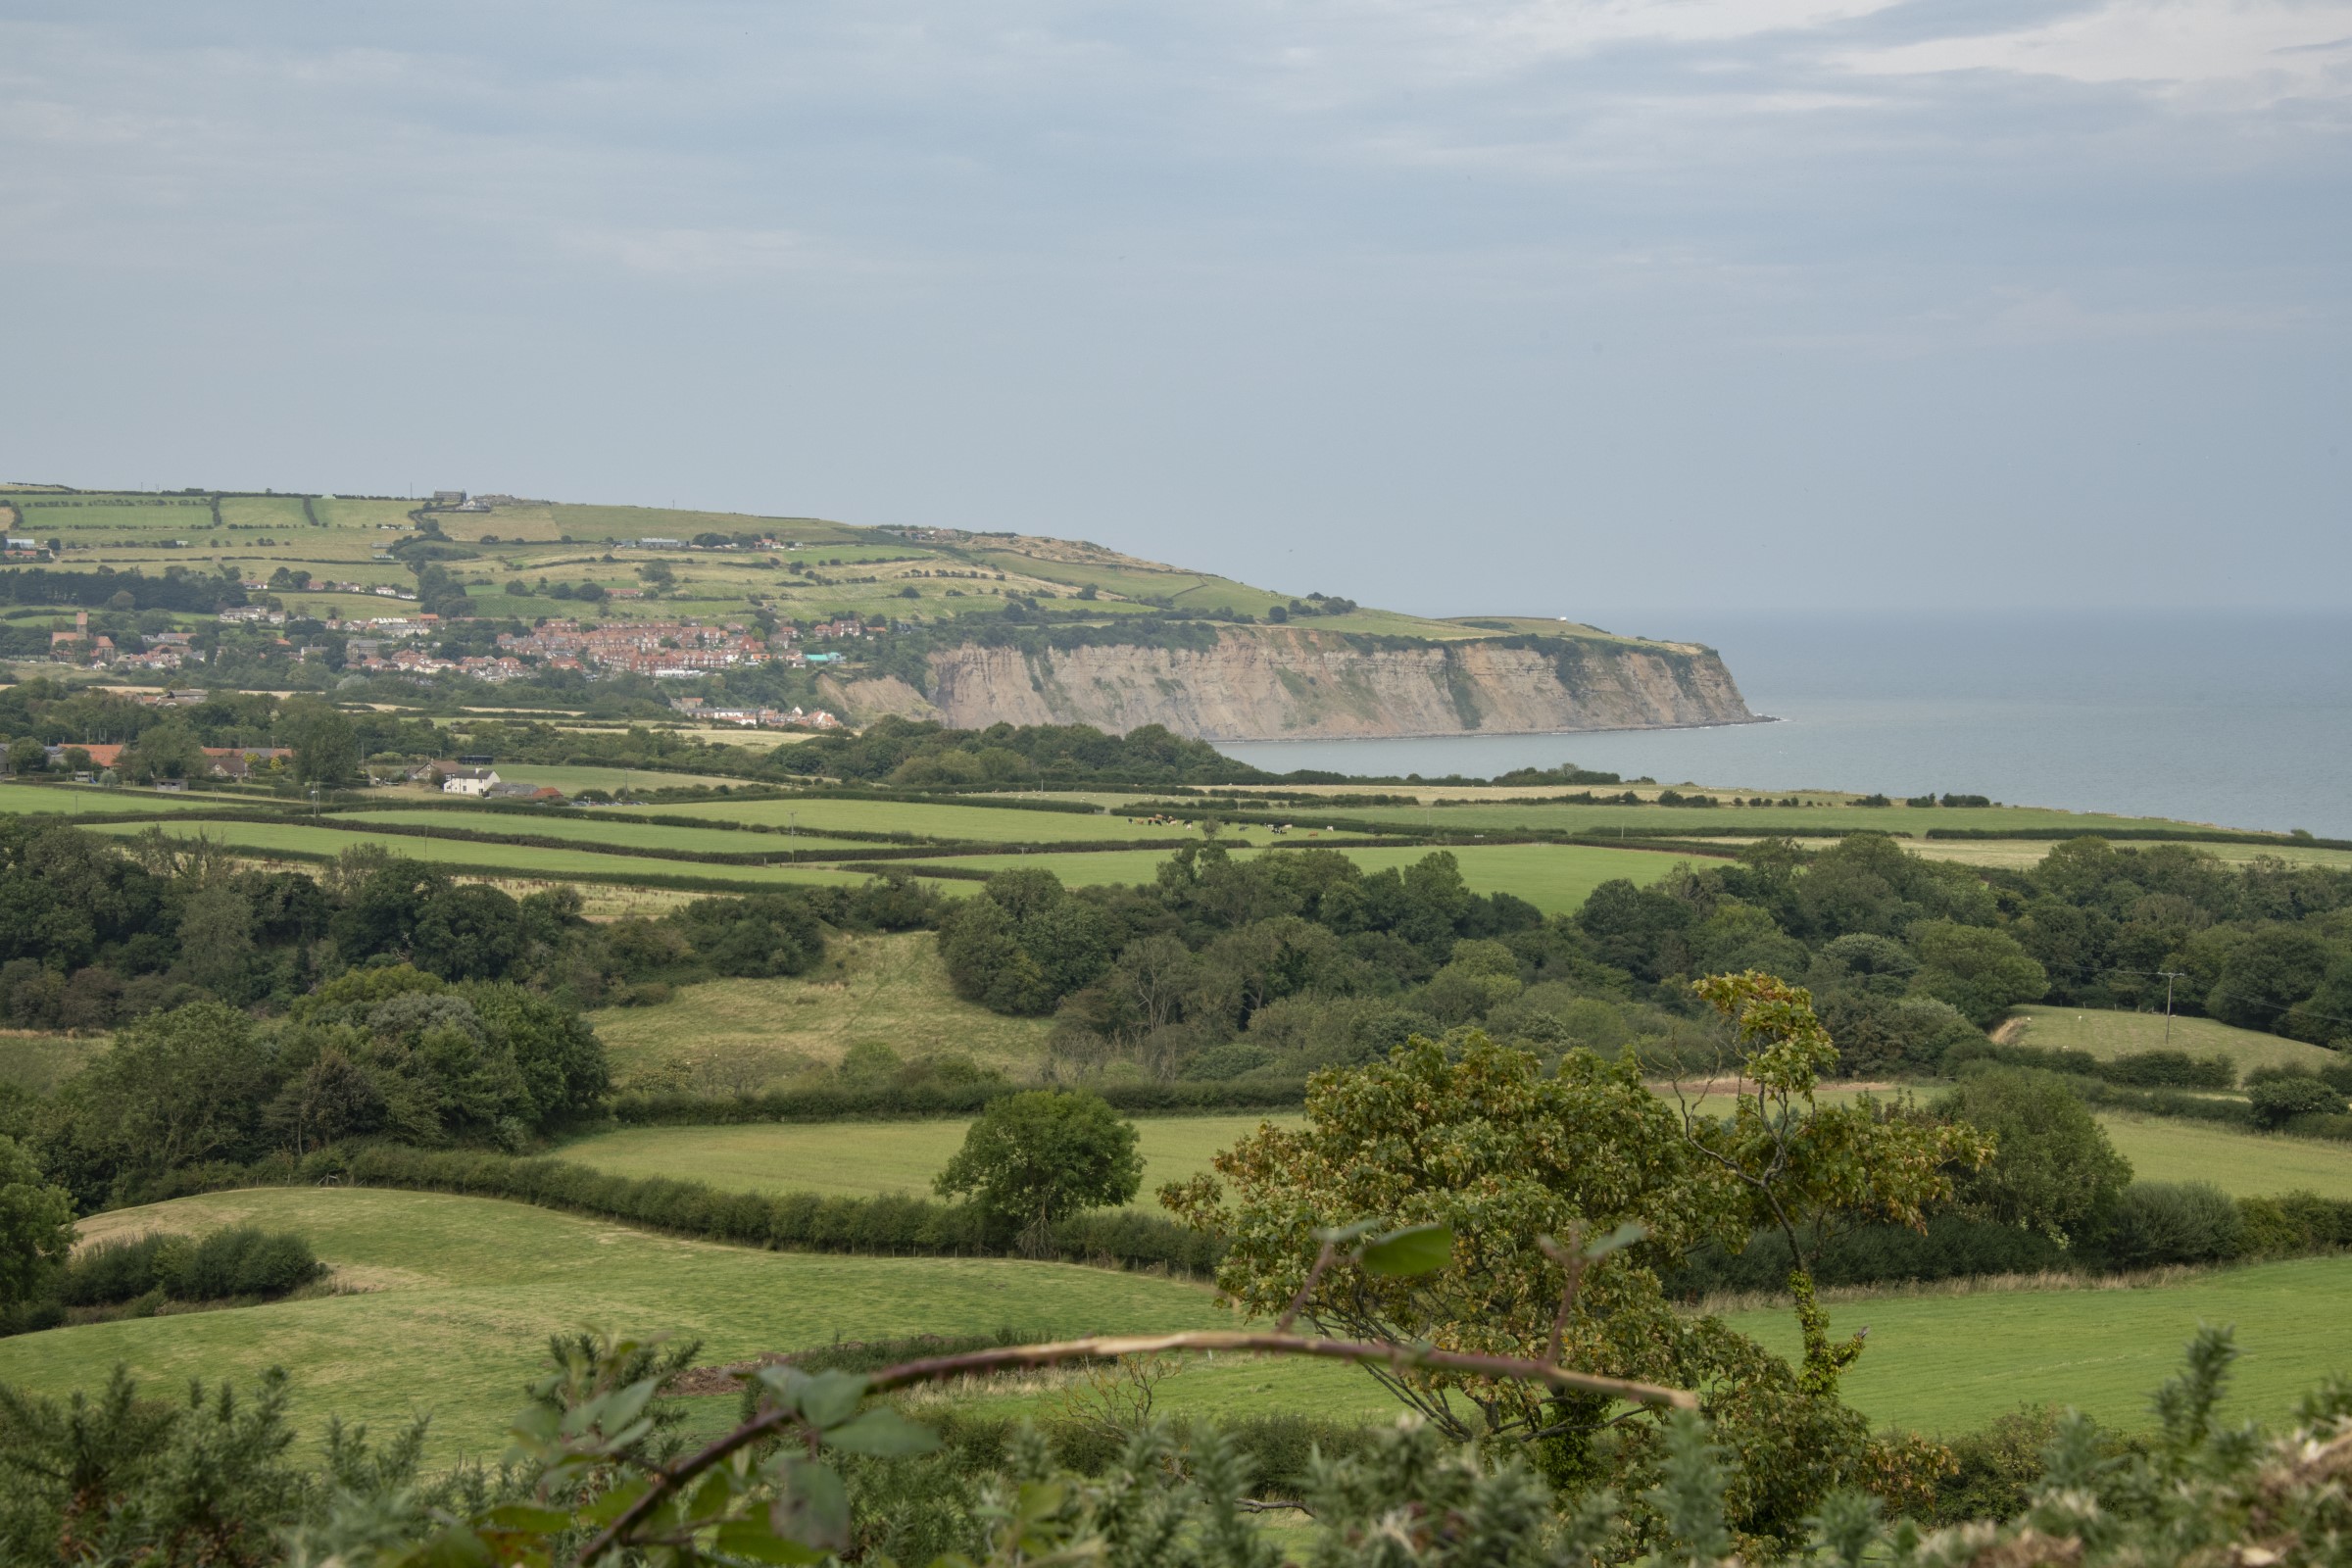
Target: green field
point(74, 800)
point(1797, 820)
point(2108, 1034)
point(610, 830)
point(2244, 1164)
point(981, 823)
point(275, 838)
point(1951, 1362)
point(458, 1295)
point(39, 1062)
point(1555, 878)
point(729, 1036)
point(571, 780)
point(864, 1159)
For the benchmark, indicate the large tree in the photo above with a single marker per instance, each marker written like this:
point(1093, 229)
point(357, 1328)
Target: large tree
point(1037, 1157)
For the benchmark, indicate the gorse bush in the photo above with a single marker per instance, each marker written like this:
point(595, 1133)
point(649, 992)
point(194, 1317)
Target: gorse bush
point(243, 1261)
point(2159, 1223)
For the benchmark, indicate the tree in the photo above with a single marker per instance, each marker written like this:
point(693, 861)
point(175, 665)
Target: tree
point(26, 754)
point(2052, 1169)
point(2278, 1100)
point(36, 1224)
point(1036, 1158)
point(1982, 972)
point(168, 750)
point(1512, 1161)
point(1024, 944)
point(2268, 971)
point(326, 748)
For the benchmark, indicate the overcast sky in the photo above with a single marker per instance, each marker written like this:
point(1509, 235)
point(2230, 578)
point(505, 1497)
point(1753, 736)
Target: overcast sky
point(1551, 308)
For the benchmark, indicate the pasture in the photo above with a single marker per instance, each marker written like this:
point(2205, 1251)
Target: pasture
point(37, 1062)
point(864, 1158)
point(452, 1300)
point(1948, 1362)
point(303, 842)
point(1838, 813)
point(1555, 878)
point(77, 800)
point(734, 1036)
point(2107, 1034)
point(983, 825)
point(610, 830)
point(2244, 1164)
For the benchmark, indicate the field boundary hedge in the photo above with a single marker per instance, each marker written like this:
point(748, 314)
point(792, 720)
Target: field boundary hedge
point(2185, 835)
point(892, 1224)
point(893, 1102)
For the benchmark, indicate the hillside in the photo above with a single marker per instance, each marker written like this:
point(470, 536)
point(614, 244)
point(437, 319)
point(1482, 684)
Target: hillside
point(971, 628)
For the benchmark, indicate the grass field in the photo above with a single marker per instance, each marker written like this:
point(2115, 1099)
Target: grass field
point(2108, 1034)
point(611, 830)
point(67, 799)
point(2025, 854)
point(1948, 1363)
point(867, 1157)
point(723, 1036)
point(1795, 820)
point(1555, 878)
point(39, 1062)
point(2244, 1164)
point(981, 823)
point(275, 838)
point(458, 1296)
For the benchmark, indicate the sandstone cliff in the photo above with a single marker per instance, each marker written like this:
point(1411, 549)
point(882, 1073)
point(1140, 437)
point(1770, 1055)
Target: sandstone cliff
point(1271, 683)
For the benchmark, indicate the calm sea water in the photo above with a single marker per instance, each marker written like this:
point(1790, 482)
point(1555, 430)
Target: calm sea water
point(2239, 719)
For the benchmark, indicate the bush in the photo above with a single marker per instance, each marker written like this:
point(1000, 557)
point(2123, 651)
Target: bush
point(2158, 1223)
point(242, 1261)
point(1953, 1246)
point(2170, 1069)
point(2277, 1100)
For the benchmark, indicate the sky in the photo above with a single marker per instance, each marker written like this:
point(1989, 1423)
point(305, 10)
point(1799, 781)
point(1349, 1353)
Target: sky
point(1610, 309)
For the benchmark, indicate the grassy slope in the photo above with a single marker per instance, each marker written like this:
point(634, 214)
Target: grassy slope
point(462, 1294)
point(1554, 878)
point(741, 1034)
point(609, 830)
point(39, 1062)
point(2242, 1164)
point(984, 824)
point(865, 1157)
point(2110, 1033)
point(1947, 1363)
point(274, 838)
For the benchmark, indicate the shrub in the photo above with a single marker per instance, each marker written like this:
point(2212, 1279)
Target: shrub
point(2277, 1100)
point(116, 1271)
point(2053, 1168)
point(2170, 1069)
point(245, 1260)
point(2156, 1223)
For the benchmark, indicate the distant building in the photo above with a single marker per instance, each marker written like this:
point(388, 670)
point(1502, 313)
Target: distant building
point(449, 498)
point(474, 781)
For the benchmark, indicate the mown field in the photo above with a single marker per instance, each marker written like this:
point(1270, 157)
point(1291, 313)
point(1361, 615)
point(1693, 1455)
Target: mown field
point(294, 839)
point(1676, 819)
point(2107, 1034)
point(726, 1035)
point(2244, 1164)
point(1555, 878)
point(611, 830)
point(456, 1298)
point(979, 824)
point(864, 1159)
point(1951, 1362)
point(72, 800)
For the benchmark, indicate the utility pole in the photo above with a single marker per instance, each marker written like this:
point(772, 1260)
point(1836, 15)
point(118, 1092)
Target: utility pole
point(2169, 975)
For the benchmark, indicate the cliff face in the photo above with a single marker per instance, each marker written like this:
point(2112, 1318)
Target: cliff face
point(1266, 683)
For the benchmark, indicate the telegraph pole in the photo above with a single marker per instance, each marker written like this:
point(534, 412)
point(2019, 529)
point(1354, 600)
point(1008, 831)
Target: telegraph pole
point(2169, 975)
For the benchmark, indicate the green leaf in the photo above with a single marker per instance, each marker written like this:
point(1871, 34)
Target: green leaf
point(526, 1518)
point(1624, 1236)
point(1414, 1249)
point(613, 1504)
point(882, 1430)
point(829, 1398)
point(627, 1404)
point(454, 1547)
point(1341, 1235)
point(811, 1506)
point(753, 1538)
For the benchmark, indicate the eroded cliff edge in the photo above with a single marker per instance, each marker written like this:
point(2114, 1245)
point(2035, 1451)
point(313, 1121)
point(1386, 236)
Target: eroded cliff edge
point(1271, 683)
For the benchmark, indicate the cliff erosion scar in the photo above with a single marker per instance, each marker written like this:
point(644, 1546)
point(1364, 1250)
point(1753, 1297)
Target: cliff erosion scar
point(1264, 684)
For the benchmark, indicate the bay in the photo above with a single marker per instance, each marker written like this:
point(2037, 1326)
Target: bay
point(2235, 718)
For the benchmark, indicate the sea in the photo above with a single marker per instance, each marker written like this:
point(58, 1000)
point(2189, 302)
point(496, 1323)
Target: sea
point(2236, 718)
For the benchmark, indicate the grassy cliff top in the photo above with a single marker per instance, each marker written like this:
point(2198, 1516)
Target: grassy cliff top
point(814, 568)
